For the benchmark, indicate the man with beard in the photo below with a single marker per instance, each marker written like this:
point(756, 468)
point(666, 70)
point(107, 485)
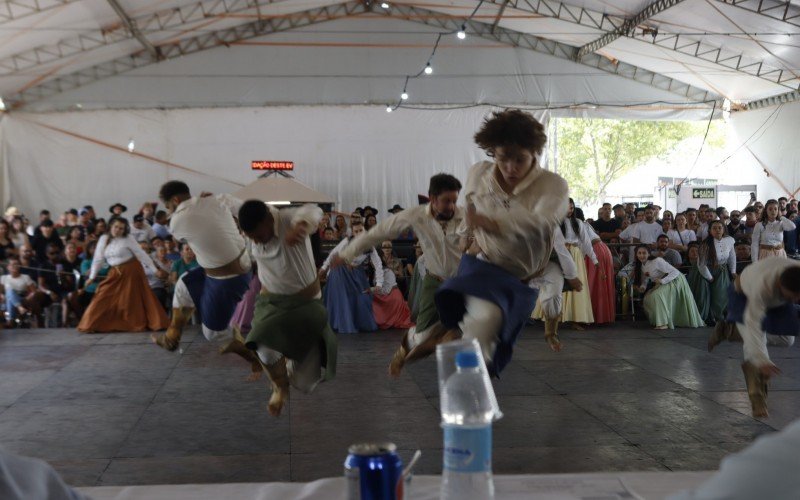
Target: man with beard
point(662, 250)
point(435, 224)
point(605, 226)
point(648, 231)
point(735, 227)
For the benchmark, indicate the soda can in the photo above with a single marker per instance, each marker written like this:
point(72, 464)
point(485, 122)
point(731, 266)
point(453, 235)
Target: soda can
point(373, 471)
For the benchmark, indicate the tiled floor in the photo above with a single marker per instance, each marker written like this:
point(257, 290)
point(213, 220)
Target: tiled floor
point(115, 410)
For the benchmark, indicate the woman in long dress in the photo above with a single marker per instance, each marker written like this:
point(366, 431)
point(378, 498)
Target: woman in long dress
point(601, 280)
point(388, 305)
point(717, 264)
point(670, 302)
point(123, 301)
point(347, 291)
point(701, 288)
point(768, 233)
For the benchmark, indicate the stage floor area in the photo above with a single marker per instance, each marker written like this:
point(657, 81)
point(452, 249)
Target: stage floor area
point(116, 410)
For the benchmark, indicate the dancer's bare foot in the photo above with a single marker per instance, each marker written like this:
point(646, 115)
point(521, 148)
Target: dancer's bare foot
point(578, 326)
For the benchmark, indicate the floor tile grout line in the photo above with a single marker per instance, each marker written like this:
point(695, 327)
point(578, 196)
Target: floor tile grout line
point(141, 415)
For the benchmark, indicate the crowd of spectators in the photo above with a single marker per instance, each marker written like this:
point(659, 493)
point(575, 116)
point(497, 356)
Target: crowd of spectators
point(46, 263)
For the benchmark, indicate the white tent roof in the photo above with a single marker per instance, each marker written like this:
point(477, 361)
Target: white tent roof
point(278, 188)
point(68, 54)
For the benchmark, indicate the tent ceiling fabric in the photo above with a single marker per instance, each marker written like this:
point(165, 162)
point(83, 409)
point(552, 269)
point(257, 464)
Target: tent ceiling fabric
point(277, 188)
point(55, 53)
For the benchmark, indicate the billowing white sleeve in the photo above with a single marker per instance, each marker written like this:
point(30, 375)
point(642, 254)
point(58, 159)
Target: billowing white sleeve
point(308, 213)
point(670, 272)
point(564, 257)
point(586, 243)
point(731, 256)
point(232, 203)
point(755, 242)
point(378, 265)
point(627, 233)
point(387, 229)
point(753, 336)
point(99, 257)
point(146, 260)
point(787, 225)
point(336, 251)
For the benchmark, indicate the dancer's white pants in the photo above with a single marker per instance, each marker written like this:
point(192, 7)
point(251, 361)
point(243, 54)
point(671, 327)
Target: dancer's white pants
point(551, 287)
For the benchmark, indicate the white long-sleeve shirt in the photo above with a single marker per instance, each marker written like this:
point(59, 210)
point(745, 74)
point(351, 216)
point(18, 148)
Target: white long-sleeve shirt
point(682, 237)
point(208, 225)
point(119, 251)
point(771, 234)
point(659, 269)
point(725, 255)
point(356, 261)
point(146, 233)
point(439, 239)
point(759, 283)
point(527, 217)
point(565, 259)
point(284, 269)
point(583, 240)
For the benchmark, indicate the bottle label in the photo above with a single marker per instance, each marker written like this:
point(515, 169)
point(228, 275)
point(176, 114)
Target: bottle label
point(468, 450)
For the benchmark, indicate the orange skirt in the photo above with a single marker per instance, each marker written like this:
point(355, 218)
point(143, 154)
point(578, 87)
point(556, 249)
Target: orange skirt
point(391, 311)
point(602, 291)
point(124, 303)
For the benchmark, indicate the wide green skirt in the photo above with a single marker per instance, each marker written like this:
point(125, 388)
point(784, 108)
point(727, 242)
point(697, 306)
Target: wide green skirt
point(673, 305)
point(701, 290)
point(293, 326)
point(719, 292)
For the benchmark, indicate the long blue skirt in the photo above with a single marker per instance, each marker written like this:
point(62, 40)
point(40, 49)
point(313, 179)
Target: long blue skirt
point(487, 281)
point(349, 308)
point(215, 299)
point(781, 320)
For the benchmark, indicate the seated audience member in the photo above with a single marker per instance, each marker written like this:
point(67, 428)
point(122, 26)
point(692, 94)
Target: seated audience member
point(159, 282)
point(117, 209)
point(390, 260)
point(662, 250)
point(328, 234)
point(324, 223)
point(668, 216)
point(54, 281)
point(62, 227)
point(742, 249)
point(750, 220)
point(141, 230)
point(70, 265)
point(45, 238)
point(701, 289)
point(619, 214)
point(669, 303)
point(388, 305)
point(148, 212)
point(370, 221)
point(161, 224)
point(340, 226)
point(17, 234)
point(173, 249)
point(722, 215)
point(28, 263)
point(186, 263)
point(44, 215)
point(21, 294)
point(79, 301)
point(346, 293)
point(155, 243)
point(75, 236)
point(681, 236)
point(7, 249)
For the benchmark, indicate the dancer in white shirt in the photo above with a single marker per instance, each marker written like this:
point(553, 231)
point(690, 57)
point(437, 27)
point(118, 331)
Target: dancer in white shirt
point(290, 330)
point(207, 224)
point(124, 301)
point(768, 233)
point(513, 207)
point(436, 225)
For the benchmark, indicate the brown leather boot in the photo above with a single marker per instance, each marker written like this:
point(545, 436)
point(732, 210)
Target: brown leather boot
point(438, 335)
point(719, 334)
point(399, 358)
point(237, 346)
point(551, 334)
point(757, 389)
point(279, 377)
point(172, 338)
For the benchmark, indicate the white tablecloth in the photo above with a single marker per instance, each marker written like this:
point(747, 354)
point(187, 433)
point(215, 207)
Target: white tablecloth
point(646, 485)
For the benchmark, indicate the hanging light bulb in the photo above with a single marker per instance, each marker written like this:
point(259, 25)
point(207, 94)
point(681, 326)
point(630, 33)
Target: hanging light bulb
point(131, 146)
point(2, 104)
point(428, 69)
point(389, 109)
point(384, 5)
point(404, 95)
point(462, 33)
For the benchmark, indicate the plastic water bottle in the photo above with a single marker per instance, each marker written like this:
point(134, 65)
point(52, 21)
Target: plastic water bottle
point(467, 421)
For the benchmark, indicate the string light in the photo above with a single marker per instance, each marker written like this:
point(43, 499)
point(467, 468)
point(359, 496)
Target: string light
point(404, 95)
point(2, 104)
point(389, 109)
point(462, 33)
point(131, 146)
point(428, 69)
point(384, 5)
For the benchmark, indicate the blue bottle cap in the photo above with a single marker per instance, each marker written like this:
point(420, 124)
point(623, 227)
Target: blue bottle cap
point(466, 359)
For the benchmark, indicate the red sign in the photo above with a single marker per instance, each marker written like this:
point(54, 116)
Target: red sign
point(271, 165)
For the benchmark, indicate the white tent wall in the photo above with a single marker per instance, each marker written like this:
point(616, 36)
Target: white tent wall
point(769, 139)
point(358, 154)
